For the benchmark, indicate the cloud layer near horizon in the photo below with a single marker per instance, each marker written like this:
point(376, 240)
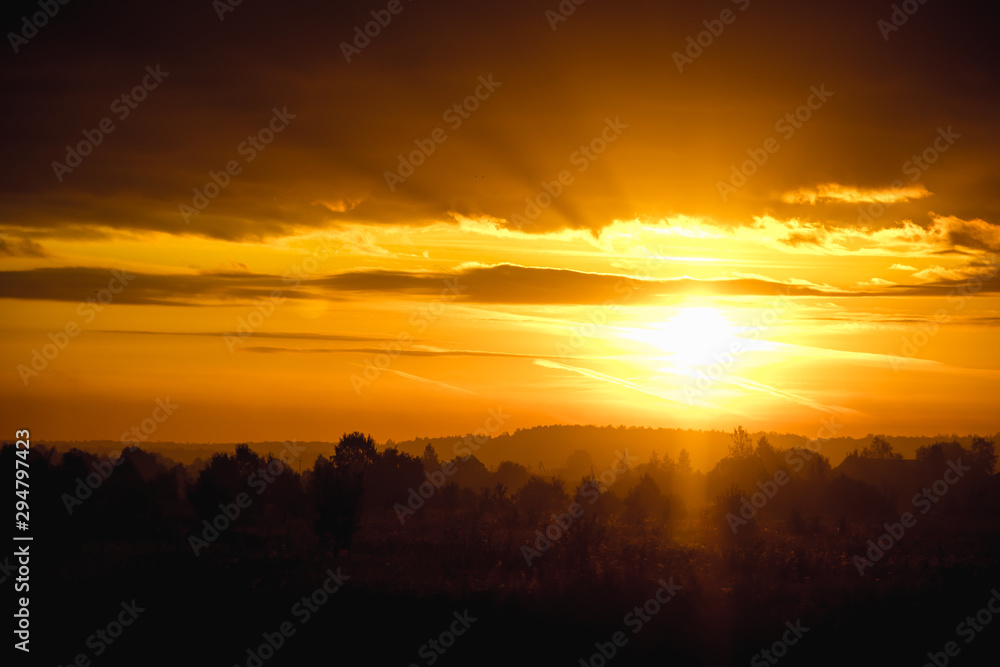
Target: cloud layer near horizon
point(685, 130)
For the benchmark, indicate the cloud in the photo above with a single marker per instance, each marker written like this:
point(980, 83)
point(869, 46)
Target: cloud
point(837, 193)
point(431, 383)
point(939, 273)
point(258, 335)
point(944, 235)
point(415, 351)
point(815, 237)
point(509, 283)
point(20, 247)
point(978, 277)
point(472, 283)
point(586, 372)
point(877, 282)
point(901, 267)
point(502, 283)
point(355, 119)
point(81, 284)
point(971, 234)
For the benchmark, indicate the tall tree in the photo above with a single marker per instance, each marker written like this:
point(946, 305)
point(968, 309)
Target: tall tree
point(355, 452)
point(430, 459)
point(984, 454)
point(742, 447)
point(880, 449)
point(684, 462)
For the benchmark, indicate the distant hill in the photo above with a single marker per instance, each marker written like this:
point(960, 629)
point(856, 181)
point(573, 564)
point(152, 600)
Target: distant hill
point(546, 448)
point(190, 453)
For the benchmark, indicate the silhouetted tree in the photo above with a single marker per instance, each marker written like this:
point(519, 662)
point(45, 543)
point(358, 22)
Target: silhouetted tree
point(247, 461)
point(742, 447)
point(768, 456)
point(284, 496)
point(854, 499)
point(430, 459)
point(880, 449)
point(495, 499)
point(389, 475)
point(646, 501)
point(734, 528)
point(472, 474)
point(354, 453)
point(336, 494)
point(218, 482)
point(541, 496)
point(932, 457)
point(984, 455)
point(512, 475)
point(684, 462)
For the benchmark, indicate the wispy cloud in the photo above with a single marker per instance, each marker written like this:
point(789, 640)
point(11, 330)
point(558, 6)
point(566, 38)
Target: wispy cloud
point(835, 192)
point(676, 398)
point(431, 383)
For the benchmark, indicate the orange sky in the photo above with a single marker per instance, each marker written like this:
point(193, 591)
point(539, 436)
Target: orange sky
point(800, 225)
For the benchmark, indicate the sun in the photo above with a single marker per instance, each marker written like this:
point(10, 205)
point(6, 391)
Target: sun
point(695, 335)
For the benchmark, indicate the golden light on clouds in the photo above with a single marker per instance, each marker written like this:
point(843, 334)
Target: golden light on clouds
point(563, 249)
point(834, 192)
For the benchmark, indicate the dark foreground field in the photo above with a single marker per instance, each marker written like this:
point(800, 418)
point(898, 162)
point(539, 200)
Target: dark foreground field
point(452, 585)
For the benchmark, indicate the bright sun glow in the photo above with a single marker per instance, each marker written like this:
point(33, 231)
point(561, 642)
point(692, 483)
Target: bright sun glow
point(693, 335)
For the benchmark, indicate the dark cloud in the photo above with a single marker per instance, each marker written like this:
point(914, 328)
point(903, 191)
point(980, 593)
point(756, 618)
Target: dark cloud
point(259, 334)
point(123, 287)
point(23, 247)
point(503, 283)
point(685, 131)
point(814, 237)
